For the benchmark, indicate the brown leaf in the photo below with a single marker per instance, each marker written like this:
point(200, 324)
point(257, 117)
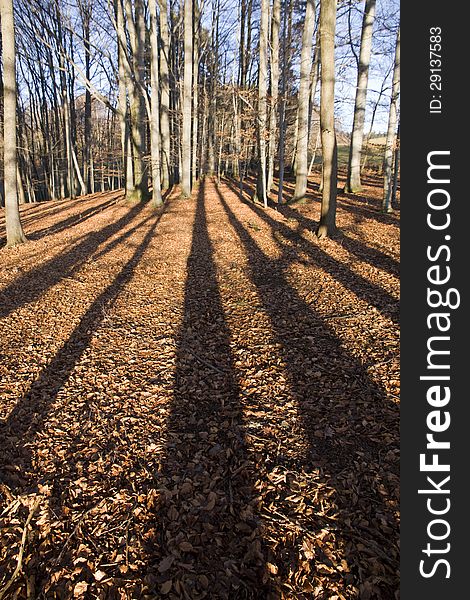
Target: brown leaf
point(185, 547)
point(80, 589)
point(166, 587)
point(166, 563)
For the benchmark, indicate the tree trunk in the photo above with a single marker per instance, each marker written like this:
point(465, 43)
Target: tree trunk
point(327, 118)
point(371, 126)
point(396, 167)
point(85, 9)
point(314, 75)
point(165, 94)
point(392, 124)
point(14, 230)
point(187, 99)
point(353, 181)
point(123, 112)
point(262, 101)
point(275, 25)
point(301, 156)
point(196, 18)
point(155, 109)
point(19, 185)
point(136, 28)
point(282, 112)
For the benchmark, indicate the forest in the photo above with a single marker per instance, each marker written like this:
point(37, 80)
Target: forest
point(199, 299)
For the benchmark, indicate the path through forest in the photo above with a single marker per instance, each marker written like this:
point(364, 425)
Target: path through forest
point(200, 402)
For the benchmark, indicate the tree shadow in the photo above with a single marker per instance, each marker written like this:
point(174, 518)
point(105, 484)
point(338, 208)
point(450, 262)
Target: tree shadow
point(35, 282)
point(372, 255)
point(206, 525)
point(32, 213)
point(371, 293)
point(75, 219)
point(356, 204)
point(28, 416)
point(350, 424)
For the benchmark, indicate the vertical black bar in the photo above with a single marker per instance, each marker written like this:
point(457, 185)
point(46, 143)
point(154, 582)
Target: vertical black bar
point(434, 217)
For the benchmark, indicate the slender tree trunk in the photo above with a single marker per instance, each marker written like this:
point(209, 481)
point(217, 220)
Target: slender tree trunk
point(67, 132)
point(92, 174)
point(371, 127)
point(123, 112)
point(213, 112)
point(304, 87)
point(86, 17)
point(314, 75)
point(81, 182)
point(155, 108)
point(15, 234)
point(262, 101)
point(392, 124)
point(241, 52)
point(221, 143)
point(327, 118)
point(353, 181)
point(136, 28)
point(275, 25)
point(315, 149)
point(282, 113)
point(19, 185)
point(165, 94)
point(248, 51)
point(396, 167)
point(187, 99)
point(204, 132)
point(196, 18)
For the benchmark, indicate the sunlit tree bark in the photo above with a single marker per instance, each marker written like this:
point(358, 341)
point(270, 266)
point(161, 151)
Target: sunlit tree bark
point(301, 156)
point(187, 99)
point(155, 108)
point(353, 181)
point(327, 118)
point(391, 130)
point(15, 234)
point(262, 100)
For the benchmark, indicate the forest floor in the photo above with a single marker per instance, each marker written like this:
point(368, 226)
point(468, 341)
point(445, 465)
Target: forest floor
point(200, 402)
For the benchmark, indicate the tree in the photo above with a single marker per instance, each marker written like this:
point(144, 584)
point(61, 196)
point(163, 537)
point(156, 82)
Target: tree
point(187, 99)
point(391, 130)
point(286, 43)
point(15, 234)
point(275, 25)
point(124, 89)
point(303, 103)
point(136, 27)
point(262, 100)
point(327, 118)
point(155, 108)
point(353, 181)
point(165, 95)
point(85, 8)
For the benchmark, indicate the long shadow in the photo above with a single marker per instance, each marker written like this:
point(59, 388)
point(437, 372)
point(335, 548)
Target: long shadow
point(207, 528)
point(40, 209)
point(30, 286)
point(348, 420)
point(363, 288)
point(347, 202)
point(75, 219)
point(32, 214)
point(369, 254)
point(27, 418)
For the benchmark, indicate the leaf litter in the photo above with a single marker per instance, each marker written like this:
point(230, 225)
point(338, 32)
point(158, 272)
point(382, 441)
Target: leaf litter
point(200, 402)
